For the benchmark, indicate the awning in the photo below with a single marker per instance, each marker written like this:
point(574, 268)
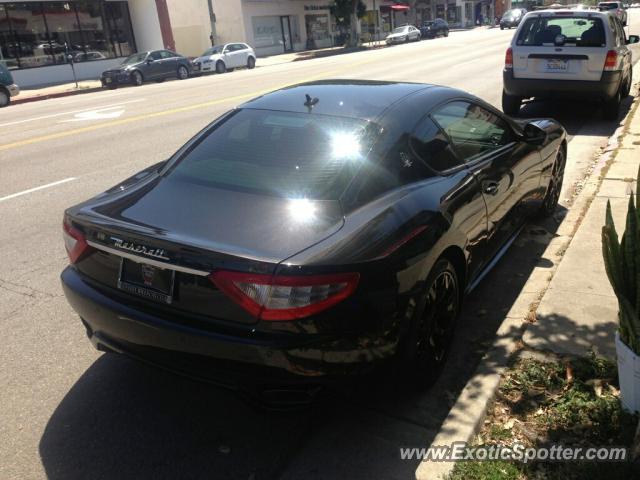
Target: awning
point(400, 8)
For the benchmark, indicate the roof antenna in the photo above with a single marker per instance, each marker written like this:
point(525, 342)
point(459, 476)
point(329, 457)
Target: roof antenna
point(311, 102)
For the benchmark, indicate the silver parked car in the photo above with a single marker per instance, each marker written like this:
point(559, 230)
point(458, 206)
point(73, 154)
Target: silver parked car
point(407, 33)
point(221, 58)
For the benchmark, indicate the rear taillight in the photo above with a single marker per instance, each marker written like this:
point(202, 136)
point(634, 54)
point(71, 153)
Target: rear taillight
point(611, 61)
point(270, 297)
point(508, 58)
point(74, 242)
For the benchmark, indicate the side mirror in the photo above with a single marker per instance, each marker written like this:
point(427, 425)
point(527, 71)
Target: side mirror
point(534, 135)
point(633, 39)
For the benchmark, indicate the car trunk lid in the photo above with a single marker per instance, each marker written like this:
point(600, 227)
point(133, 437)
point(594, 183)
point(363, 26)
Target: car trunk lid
point(191, 233)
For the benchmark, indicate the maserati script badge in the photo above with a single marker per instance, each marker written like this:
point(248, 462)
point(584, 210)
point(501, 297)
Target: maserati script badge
point(140, 249)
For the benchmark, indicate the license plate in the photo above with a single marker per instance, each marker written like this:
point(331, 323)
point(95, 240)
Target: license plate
point(557, 64)
point(107, 80)
point(196, 67)
point(147, 281)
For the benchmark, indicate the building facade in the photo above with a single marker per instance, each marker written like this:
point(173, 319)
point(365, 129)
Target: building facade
point(36, 37)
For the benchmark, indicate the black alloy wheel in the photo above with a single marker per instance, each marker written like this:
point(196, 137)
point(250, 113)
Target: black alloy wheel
point(429, 339)
point(551, 198)
point(183, 72)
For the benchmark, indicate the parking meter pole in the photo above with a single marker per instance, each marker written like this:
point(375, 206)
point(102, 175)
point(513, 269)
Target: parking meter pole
point(70, 60)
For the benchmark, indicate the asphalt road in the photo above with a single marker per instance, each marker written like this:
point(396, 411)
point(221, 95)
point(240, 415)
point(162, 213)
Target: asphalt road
point(71, 412)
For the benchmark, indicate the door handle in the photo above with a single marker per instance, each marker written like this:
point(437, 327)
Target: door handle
point(490, 188)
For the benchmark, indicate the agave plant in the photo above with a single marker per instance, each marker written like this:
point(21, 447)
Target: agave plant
point(622, 263)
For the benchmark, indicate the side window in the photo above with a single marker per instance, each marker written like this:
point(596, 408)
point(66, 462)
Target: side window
point(155, 55)
point(166, 54)
point(431, 146)
point(472, 129)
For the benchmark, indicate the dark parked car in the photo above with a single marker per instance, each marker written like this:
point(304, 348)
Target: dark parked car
point(434, 28)
point(156, 65)
point(311, 234)
point(8, 88)
point(511, 18)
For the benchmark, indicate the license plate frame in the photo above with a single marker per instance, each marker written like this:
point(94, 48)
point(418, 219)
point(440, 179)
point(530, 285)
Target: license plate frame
point(108, 80)
point(137, 278)
point(557, 65)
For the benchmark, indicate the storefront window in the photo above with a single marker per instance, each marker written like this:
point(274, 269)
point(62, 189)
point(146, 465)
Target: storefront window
point(318, 34)
point(452, 13)
point(35, 34)
point(119, 22)
point(267, 31)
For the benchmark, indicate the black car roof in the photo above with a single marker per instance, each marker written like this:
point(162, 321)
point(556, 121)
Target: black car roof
point(345, 98)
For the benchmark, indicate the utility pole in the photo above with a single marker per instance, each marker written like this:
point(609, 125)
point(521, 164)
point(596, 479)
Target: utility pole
point(212, 19)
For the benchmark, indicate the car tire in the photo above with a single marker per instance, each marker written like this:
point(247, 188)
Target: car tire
point(552, 195)
point(611, 108)
point(427, 342)
point(183, 72)
point(510, 103)
point(5, 99)
point(501, 27)
point(446, 33)
point(220, 67)
point(627, 85)
point(137, 78)
point(251, 63)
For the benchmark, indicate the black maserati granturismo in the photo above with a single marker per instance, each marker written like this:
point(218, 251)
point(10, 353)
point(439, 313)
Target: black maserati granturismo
point(313, 233)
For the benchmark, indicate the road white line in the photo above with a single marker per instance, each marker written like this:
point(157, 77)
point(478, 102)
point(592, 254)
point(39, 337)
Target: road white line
point(87, 109)
point(41, 187)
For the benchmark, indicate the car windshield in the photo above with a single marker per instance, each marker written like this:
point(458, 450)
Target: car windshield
point(293, 155)
point(512, 13)
point(400, 29)
point(136, 58)
point(607, 6)
point(578, 31)
point(213, 50)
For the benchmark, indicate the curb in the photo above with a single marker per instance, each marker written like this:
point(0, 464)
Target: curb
point(69, 93)
point(467, 415)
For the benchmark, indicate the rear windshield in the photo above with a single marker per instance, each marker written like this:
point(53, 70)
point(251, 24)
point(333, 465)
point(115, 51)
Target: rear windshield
point(578, 31)
point(301, 155)
point(607, 6)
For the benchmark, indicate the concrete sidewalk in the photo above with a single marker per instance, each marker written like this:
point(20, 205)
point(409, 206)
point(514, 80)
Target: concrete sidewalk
point(578, 312)
point(54, 91)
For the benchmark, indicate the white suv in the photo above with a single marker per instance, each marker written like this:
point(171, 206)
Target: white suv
point(569, 54)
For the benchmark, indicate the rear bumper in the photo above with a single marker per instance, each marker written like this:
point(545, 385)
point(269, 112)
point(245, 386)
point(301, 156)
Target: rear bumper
point(604, 89)
point(222, 358)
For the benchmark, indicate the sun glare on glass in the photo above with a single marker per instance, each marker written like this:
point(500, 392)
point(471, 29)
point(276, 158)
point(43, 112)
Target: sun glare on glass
point(302, 210)
point(345, 145)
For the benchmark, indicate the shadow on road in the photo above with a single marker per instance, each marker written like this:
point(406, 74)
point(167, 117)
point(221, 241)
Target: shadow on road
point(578, 118)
